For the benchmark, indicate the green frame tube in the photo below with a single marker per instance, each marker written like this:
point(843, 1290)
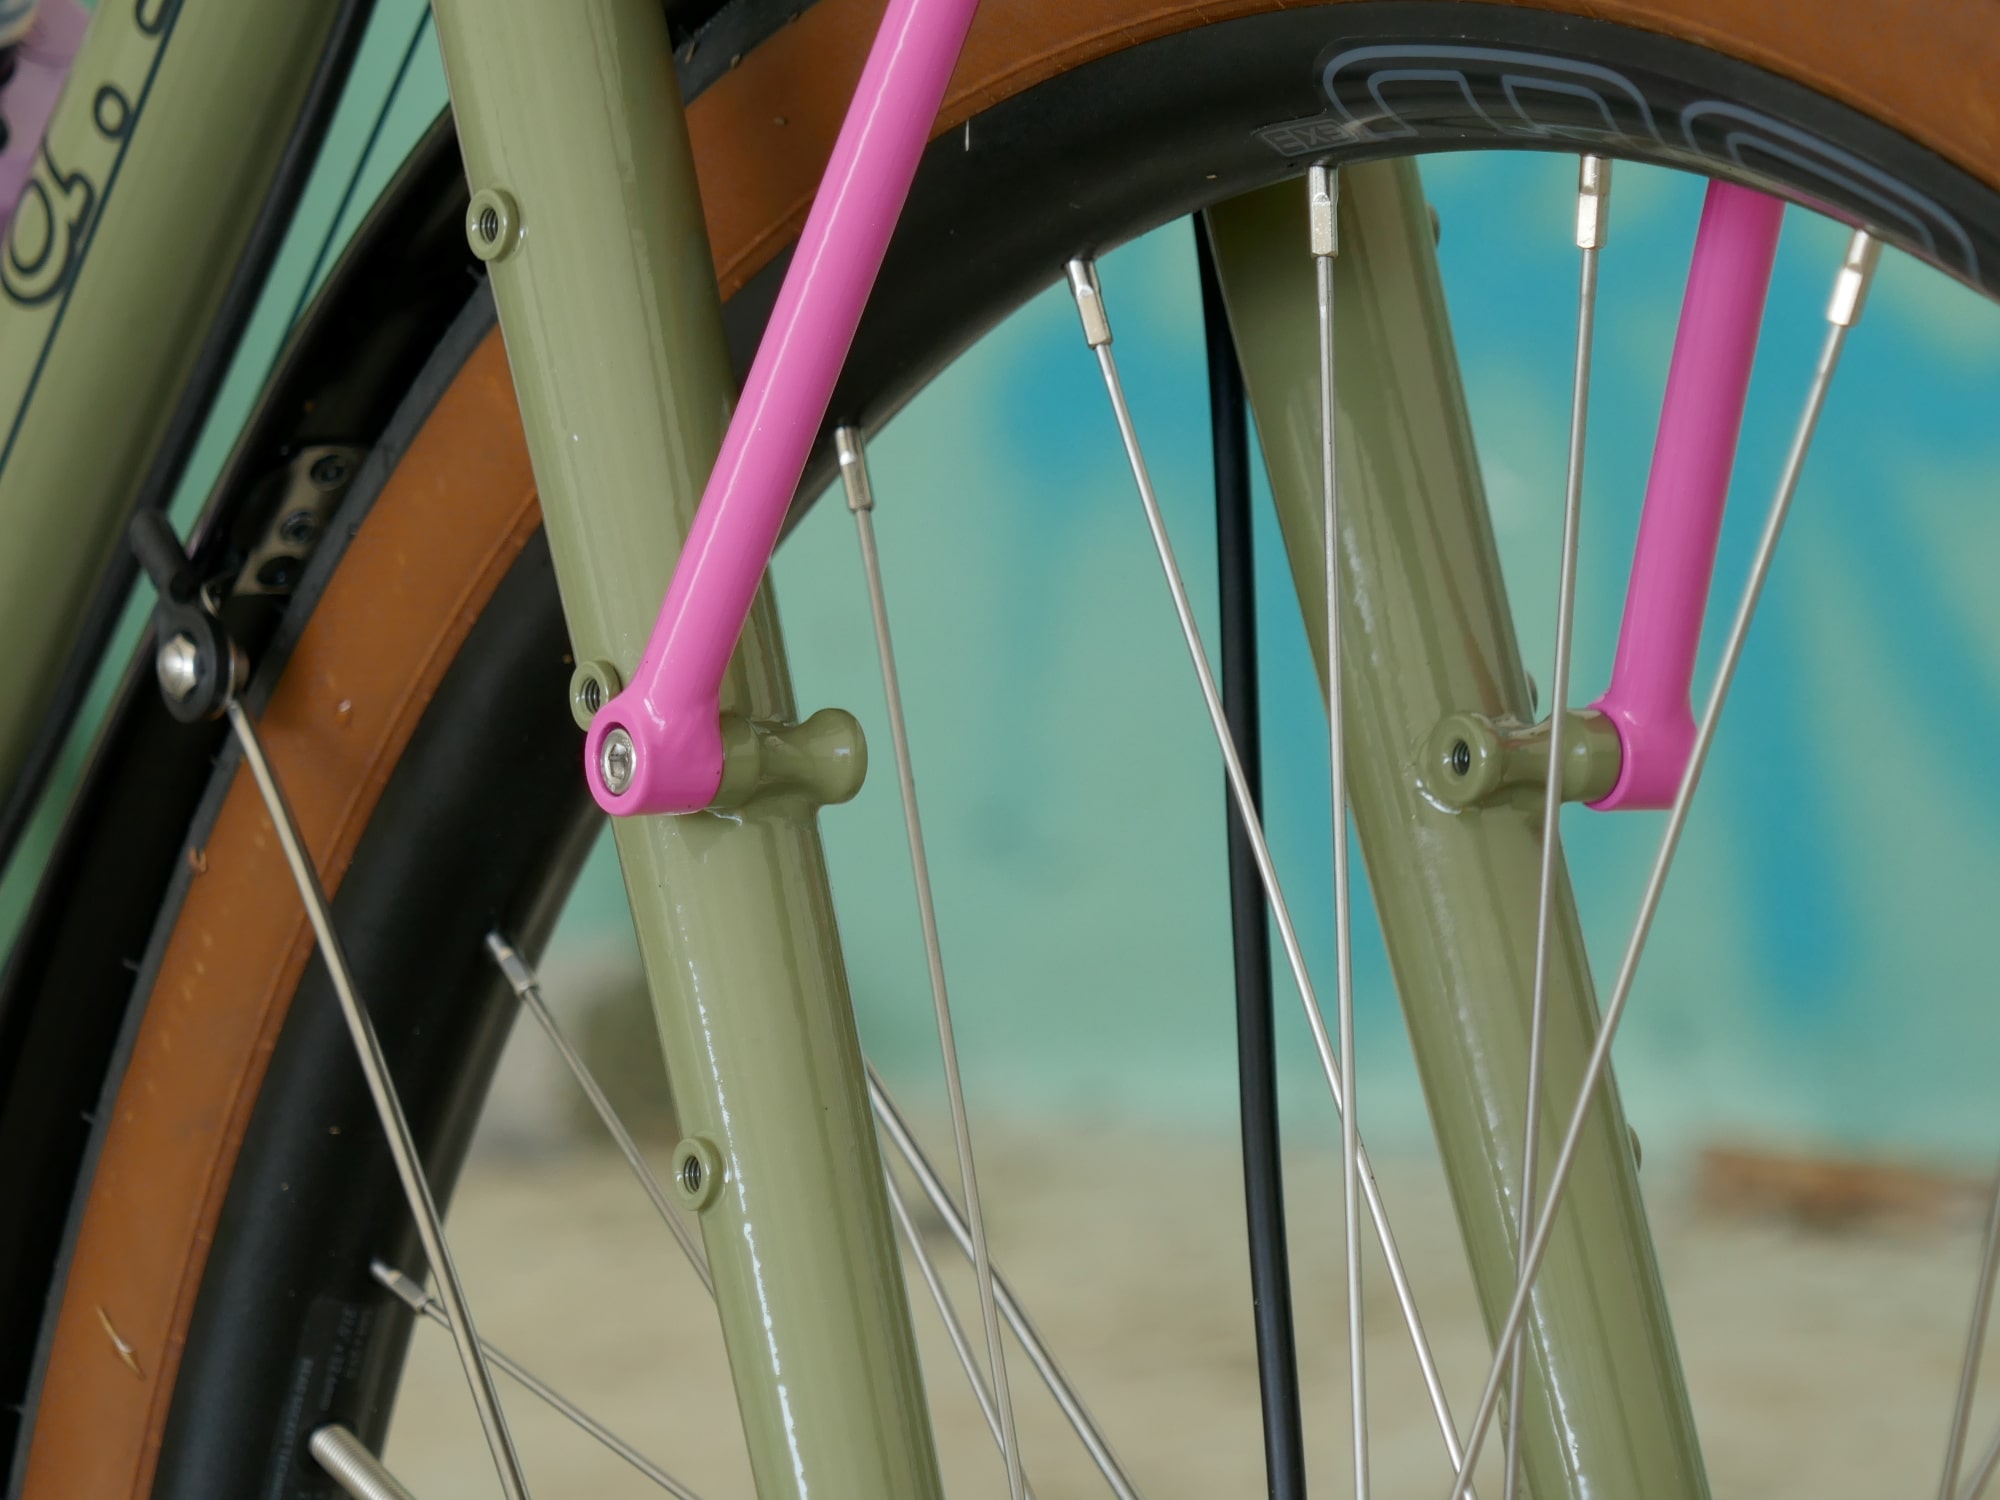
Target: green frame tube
point(155, 163)
point(576, 149)
point(1427, 632)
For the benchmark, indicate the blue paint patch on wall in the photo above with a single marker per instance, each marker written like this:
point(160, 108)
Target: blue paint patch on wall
point(1819, 969)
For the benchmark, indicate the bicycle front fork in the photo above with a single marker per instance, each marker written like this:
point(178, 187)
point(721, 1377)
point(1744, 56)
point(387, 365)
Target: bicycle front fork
point(586, 211)
point(1428, 633)
point(588, 215)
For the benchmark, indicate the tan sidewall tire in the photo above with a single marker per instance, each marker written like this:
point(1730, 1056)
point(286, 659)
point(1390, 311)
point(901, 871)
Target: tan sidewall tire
point(456, 514)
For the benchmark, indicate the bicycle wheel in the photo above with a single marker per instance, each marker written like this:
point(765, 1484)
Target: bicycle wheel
point(423, 631)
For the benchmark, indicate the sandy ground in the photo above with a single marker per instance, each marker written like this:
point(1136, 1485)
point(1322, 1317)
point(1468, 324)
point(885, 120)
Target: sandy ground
point(1822, 1364)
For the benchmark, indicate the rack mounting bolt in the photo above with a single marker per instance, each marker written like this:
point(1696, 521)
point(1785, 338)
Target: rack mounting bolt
point(179, 667)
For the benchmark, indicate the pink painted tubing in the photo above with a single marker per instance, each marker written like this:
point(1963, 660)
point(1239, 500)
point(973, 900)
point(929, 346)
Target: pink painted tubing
point(1674, 563)
point(670, 708)
point(43, 62)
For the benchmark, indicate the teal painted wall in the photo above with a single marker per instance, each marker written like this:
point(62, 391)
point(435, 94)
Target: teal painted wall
point(1820, 968)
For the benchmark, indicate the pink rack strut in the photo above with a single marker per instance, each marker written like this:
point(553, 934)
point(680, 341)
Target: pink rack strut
point(670, 708)
point(1674, 563)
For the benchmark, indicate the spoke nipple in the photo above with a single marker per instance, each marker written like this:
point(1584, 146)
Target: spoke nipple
point(179, 667)
point(1084, 286)
point(520, 978)
point(853, 468)
point(352, 1466)
point(408, 1291)
point(1850, 287)
point(1593, 202)
point(617, 761)
point(1322, 198)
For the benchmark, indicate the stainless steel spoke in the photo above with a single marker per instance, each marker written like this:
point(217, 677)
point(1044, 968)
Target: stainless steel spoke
point(948, 1315)
point(421, 1302)
point(904, 1140)
point(528, 990)
point(1844, 309)
point(1097, 333)
point(350, 1465)
point(395, 1128)
point(1975, 1345)
point(861, 501)
point(521, 976)
point(1323, 223)
point(1592, 203)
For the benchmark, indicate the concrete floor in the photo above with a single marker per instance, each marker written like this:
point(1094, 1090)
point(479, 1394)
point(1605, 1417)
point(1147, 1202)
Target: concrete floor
point(1822, 1362)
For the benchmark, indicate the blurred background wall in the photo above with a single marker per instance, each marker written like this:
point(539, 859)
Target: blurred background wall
point(1820, 970)
point(1819, 981)
point(1821, 967)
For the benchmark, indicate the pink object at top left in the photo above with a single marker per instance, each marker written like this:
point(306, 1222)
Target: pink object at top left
point(41, 64)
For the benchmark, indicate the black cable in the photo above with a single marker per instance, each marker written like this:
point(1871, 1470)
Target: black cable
point(311, 283)
point(1256, 1060)
point(211, 366)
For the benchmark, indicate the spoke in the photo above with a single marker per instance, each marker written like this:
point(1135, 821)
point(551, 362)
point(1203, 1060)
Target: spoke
point(395, 1127)
point(528, 990)
point(1850, 290)
point(1975, 1345)
point(425, 1305)
point(1250, 930)
point(861, 501)
point(897, 1129)
point(350, 1465)
point(1097, 333)
point(941, 1299)
point(1322, 213)
point(528, 987)
point(1593, 200)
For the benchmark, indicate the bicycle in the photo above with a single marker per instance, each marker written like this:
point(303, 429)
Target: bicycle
point(401, 671)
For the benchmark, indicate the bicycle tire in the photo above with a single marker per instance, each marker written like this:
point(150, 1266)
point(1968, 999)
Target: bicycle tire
point(1109, 90)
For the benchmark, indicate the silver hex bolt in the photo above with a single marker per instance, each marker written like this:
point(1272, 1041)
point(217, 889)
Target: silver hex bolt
point(617, 761)
point(178, 664)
